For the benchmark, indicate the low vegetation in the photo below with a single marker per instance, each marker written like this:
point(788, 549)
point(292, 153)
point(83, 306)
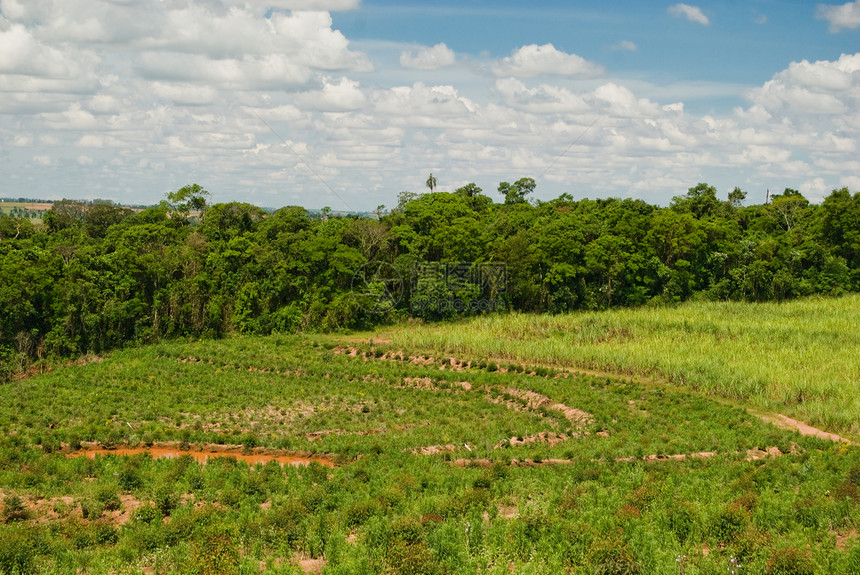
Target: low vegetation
point(96, 276)
point(441, 466)
point(794, 357)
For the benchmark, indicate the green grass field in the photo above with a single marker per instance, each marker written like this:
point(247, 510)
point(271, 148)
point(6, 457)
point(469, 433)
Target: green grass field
point(34, 211)
point(439, 468)
point(801, 358)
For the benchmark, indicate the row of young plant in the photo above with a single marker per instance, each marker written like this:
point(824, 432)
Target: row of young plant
point(287, 392)
point(395, 513)
point(98, 276)
point(384, 509)
point(793, 357)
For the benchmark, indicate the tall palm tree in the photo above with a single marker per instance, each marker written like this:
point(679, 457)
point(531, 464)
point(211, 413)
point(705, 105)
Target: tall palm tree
point(431, 182)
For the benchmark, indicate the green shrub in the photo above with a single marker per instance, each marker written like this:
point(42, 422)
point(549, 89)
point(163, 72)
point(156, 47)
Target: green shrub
point(407, 553)
point(614, 558)
point(288, 521)
point(791, 561)
point(108, 498)
point(147, 514)
point(17, 553)
point(359, 512)
point(807, 512)
point(14, 509)
point(129, 477)
point(216, 553)
point(750, 542)
point(728, 522)
point(411, 559)
point(104, 533)
point(91, 509)
point(682, 521)
point(165, 499)
point(854, 560)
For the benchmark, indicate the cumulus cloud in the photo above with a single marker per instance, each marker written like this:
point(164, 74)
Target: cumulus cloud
point(621, 102)
point(428, 58)
point(22, 53)
point(840, 17)
point(542, 99)
point(422, 105)
point(691, 13)
point(822, 87)
point(343, 95)
point(313, 5)
point(164, 93)
point(534, 60)
point(625, 46)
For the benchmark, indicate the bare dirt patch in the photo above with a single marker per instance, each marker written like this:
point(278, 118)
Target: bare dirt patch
point(205, 452)
point(535, 401)
point(434, 449)
point(311, 566)
point(787, 423)
point(545, 437)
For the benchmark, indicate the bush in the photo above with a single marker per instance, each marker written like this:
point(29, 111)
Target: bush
point(407, 553)
point(854, 560)
point(682, 521)
point(147, 514)
point(165, 500)
point(791, 561)
point(108, 498)
point(727, 523)
point(129, 477)
point(614, 558)
point(360, 511)
point(215, 554)
point(14, 509)
point(17, 554)
point(411, 559)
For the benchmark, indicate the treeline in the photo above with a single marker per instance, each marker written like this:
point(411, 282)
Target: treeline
point(97, 276)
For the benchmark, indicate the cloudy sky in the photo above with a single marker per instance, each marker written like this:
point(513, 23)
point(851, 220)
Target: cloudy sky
point(346, 103)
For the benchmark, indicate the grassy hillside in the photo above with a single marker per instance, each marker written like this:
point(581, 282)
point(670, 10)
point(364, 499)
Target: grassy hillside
point(439, 468)
point(800, 357)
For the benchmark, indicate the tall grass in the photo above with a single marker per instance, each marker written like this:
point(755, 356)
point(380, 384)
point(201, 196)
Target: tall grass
point(800, 357)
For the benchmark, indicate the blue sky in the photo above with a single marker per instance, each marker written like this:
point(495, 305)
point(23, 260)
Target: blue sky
point(346, 103)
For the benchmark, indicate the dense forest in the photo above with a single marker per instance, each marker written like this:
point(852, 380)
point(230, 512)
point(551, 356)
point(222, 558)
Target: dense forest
point(97, 276)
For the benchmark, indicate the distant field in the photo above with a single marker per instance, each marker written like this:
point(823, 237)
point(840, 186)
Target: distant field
point(35, 211)
point(801, 357)
point(438, 468)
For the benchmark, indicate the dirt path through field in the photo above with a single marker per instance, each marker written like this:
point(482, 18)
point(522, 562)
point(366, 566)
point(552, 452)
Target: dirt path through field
point(785, 422)
point(777, 419)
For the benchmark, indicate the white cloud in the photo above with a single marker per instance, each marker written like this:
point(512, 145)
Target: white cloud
point(428, 58)
point(22, 53)
point(619, 101)
point(312, 5)
point(691, 13)
point(542, 99)
point(178, 91)
point(624, 46)
point(341, 96)
point(822, 87)
point(422, 105)
point(534, 60)
point(840, 17)
point(186, 93)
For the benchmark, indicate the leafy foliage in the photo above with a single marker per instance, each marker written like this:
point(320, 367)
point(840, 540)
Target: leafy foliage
point(98, 276)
